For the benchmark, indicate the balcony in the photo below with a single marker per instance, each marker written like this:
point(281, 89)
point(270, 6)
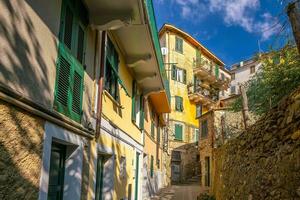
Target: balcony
point(204, 70)
point(222, 84)
point(202, 95)
point(210, 75)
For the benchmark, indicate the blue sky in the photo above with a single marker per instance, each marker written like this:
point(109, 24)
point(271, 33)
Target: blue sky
point(231, 29)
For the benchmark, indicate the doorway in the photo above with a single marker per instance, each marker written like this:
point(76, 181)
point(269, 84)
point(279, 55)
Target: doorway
point(207, 171)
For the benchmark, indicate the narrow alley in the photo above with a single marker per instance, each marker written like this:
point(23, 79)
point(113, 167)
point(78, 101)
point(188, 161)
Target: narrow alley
point(186, 191)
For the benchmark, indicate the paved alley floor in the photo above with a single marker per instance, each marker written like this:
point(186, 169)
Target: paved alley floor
point(188, 191)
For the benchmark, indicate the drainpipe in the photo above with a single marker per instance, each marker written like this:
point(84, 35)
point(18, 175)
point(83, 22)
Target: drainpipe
point(100, 85)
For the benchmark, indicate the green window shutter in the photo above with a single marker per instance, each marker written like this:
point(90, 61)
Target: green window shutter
point(63, 84)
point(80, 44)
point(176, 44)
point(177, 103)
point(181, 103)
point(77, 91)
point(158, 134)
point(217, 71)
point(196, 135)
point(133, 96)
point(222, 77)
point(198, 110)
point(174, 72)
point(152, 129)
point(68, 27)
point(151, 166)
point(178, 132)
point(181, 45)
point(198, 56)
point(184, 76)
point(142, 120)
point(204, 129)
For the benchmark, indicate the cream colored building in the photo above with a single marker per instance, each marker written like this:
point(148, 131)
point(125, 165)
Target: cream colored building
point(78, 79)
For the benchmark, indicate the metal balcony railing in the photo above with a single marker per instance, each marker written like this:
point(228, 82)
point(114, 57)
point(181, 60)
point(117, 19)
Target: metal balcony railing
point(197, 89)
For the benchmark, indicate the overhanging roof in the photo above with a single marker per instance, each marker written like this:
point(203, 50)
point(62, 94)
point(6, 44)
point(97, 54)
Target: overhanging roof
point(193, 41)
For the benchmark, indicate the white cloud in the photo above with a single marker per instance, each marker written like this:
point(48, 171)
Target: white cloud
point(191, 9)
point(241, 13)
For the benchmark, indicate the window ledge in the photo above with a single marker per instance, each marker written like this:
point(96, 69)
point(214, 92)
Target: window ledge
point(115, 102)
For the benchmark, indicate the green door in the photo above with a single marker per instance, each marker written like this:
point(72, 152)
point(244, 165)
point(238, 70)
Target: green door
point(57, 172)
point(136, 175)
point(99, 177)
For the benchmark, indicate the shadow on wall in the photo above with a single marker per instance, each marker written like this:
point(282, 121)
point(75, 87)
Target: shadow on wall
point(22, 63)
point(21, 135)
point(21, 139)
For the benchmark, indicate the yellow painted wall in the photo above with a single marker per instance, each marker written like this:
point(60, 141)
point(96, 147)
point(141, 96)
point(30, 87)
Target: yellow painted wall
point(184, 61)
point(120, 114)
point(121, 149)
point(150, 146)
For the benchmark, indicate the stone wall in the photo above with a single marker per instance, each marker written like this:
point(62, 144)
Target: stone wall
point(264, 161)
point(21, 137)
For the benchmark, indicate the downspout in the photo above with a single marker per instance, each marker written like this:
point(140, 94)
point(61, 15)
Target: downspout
point(100, 85)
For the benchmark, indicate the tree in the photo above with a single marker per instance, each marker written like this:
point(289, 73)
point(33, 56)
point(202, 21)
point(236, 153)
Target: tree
point(278, 77)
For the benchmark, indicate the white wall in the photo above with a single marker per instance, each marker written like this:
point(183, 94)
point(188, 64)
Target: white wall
point(73, 167)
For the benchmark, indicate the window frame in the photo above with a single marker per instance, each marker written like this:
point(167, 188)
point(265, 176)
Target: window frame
point(177, 72)
point(179, 104)
point(204, 129)
point(231, 89)
point(69, 56)
point(178, 44)
point(181, 134)
point(233, 76)
point(199, 106)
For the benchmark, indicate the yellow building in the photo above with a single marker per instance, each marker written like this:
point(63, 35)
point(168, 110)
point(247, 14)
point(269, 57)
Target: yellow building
point(135, 99)
point(196, 77)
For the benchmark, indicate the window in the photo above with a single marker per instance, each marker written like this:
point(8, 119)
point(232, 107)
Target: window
point(232, 76)
point(151, 166)
point(222, 77)
point(57, 171)
point(252, 69)
point(152, 129)
point(196, 135)
point(178, 45)
point(158, 135)
point(198, 56)
point(178, 74)
point(204, 129)
point(207, 171)
point(99, 177)
point(111, 70)
point(178, 103)
point(137, 113)
point(232, 89)
point(69, 69)
point(178, 132)
point(217, 69)
point(198, 110)
point(176, 155)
